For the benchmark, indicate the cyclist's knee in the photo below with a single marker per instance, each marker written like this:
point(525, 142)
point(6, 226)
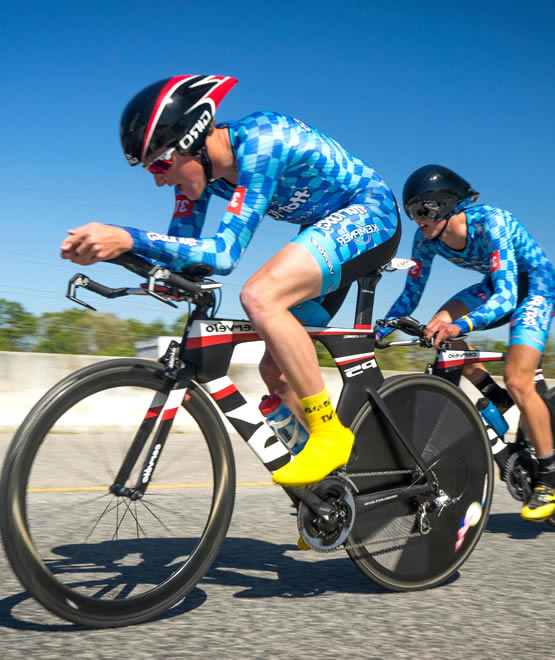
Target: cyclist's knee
point(255, 299)
point(520, 384)
point(520, 370)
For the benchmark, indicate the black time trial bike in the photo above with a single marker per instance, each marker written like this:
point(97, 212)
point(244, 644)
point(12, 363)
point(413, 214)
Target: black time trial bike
point(110, 525)
point(515, 457)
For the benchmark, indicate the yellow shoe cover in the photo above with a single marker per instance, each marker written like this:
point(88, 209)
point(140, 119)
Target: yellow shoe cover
point(322, 454)
point(302, 544)
point(541, 505)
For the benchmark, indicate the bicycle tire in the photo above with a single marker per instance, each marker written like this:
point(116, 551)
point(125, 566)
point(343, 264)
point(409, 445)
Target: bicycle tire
point(128, 578)
point(386, 543)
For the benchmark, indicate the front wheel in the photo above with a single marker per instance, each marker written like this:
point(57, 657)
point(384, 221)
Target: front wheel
point(419, 542)
point(87, 555)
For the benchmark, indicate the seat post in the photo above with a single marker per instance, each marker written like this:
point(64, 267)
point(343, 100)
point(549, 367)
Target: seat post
point(365, 298)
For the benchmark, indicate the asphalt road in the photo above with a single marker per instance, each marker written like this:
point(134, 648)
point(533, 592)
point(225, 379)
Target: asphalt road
point(265, 598)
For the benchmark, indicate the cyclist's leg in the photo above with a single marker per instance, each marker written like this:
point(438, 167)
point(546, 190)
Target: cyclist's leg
point(289, 277)
point(316, 312)
point(529, 331)
point(463, 303)
point(335, 246)
point(460, 304)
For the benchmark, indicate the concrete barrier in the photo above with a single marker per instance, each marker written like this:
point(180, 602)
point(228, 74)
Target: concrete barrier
point(27, 376)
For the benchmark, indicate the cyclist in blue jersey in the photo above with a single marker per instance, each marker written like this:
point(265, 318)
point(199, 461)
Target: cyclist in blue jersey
point(518, 286)
point(265, 164)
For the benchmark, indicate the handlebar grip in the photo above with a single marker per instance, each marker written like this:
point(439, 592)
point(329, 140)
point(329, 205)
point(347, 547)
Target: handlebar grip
point(132, 262)
point(183, 283)
point(142, 267)
point(410, 326)
point(95, 287)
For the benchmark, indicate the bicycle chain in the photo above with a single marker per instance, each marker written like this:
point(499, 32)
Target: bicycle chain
point(356, 475)
point(359, 475)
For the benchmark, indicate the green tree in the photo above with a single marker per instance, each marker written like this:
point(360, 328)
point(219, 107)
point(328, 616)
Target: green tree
point(176, 329)
point(17, 327)
point(84, 332)
point(65, 332)
point(138, 330)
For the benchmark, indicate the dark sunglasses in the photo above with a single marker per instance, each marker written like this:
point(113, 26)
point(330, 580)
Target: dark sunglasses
point(429, 209)
point(162, 164)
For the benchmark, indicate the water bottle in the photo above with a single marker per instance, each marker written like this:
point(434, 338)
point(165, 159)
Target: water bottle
point(283, 423)
point(492, 416)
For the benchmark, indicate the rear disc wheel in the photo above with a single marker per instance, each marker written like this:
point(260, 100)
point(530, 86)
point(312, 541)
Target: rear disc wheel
point(406, 544)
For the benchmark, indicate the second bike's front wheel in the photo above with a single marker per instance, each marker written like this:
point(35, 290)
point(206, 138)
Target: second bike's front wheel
point(91, 557)
point(414, 542)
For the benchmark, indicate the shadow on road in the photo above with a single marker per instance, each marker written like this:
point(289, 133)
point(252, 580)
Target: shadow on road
point(251, 567)
point(515, 527)
point(10, 620)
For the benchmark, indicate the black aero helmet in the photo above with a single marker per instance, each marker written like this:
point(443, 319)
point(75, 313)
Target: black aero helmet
point(433, 191)
point(171, 112)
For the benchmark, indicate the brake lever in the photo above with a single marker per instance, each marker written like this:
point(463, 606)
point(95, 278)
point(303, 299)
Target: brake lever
point(80, 280)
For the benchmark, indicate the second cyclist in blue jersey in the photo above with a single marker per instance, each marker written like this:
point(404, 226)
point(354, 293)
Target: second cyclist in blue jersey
point(518, 285)
point(265, 164)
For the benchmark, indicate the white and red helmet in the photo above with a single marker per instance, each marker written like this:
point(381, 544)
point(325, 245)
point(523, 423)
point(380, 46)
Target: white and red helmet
point(171, 112)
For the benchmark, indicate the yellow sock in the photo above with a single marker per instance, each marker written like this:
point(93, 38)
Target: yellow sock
point(320, 414)
point(329, 445)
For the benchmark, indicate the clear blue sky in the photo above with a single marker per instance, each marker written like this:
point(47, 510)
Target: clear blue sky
point(400, 84)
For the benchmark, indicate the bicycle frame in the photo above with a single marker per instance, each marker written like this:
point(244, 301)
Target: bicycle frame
point(206, 350)
point(449, 363)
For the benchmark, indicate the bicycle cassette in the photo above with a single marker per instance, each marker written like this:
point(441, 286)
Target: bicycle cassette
point(324, 535)
point(519, 474)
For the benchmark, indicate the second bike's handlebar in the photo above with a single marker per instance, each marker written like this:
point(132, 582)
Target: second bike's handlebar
point(414, 328)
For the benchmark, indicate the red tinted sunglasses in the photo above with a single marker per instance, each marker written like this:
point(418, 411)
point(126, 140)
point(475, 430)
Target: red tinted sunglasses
point(162, 164)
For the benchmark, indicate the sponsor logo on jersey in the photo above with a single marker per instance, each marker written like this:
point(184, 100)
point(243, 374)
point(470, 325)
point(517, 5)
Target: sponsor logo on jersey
point(494, 261)
point(360, 235)
point(235, 205)
point(153, 236)
point(337, 217)
point(183, 207)
point(414, 272)
point(536, 314)
point(323, 253)
point(297, 199)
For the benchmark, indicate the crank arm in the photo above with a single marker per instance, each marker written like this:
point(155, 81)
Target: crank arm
point(316, 504)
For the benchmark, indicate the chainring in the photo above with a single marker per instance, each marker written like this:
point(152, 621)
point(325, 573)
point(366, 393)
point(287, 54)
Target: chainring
point(317, 533)
point(519, 475)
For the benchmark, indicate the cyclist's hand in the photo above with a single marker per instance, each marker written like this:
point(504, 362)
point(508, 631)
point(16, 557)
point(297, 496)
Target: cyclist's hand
point(95, 242)
point(438, 330)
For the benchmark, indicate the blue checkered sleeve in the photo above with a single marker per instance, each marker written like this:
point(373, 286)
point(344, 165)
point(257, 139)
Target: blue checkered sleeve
point(221, 251)
point(503, 273)
point(261, 160)
point(422, 254)
point(285, 169)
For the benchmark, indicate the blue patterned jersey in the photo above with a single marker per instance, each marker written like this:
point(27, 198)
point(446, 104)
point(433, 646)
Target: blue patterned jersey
point(286, 169)
point(498, 246)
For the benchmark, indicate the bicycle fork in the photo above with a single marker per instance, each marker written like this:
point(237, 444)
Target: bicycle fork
point(164, 407)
